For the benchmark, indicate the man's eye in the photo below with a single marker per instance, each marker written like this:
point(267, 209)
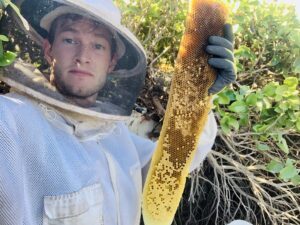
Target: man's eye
point(99, 46)
point(69, 41)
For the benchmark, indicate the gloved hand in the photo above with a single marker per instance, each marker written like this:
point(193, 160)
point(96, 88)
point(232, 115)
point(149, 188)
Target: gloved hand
point(223, 59)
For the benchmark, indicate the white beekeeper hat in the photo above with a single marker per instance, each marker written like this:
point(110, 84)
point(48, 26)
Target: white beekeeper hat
point(117, 98)
point(113, 13)
point(41, 13)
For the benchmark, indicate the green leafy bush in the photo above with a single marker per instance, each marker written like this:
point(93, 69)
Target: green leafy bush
point(158, 24)
point(267, 40)
point(268, 51)
point(268, 113)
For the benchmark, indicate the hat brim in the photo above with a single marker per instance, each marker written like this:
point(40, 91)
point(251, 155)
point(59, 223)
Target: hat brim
point(40, 14)
point(48, 19)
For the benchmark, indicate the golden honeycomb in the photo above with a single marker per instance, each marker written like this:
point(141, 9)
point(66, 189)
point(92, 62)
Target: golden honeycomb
point(187, 110)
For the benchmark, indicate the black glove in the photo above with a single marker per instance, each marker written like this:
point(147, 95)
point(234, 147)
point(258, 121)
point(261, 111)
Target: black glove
point(223, 59)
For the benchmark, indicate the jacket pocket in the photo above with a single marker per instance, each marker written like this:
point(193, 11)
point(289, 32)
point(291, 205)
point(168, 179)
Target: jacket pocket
point(77, 208)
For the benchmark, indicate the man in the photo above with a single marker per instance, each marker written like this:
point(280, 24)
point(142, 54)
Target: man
point(77, 48)
point(64, 158)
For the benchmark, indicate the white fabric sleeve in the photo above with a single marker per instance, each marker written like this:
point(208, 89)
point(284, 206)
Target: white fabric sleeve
point(207, 139)
point(11, 197)
point(145, 148)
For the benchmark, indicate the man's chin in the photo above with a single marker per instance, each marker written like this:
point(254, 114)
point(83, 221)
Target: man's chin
point(78, 93)
point(75, 91)
point(82, 99)
point(81, 95)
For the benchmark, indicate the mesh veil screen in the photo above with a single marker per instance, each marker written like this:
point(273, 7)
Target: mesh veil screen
point(186, 113)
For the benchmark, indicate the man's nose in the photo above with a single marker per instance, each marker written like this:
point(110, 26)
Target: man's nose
point(83, 54)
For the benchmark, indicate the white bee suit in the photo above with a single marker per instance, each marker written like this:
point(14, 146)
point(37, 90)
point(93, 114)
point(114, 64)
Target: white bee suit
point(50, 176)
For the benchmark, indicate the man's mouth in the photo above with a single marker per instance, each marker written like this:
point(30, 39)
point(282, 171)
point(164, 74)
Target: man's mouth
point(81, 73)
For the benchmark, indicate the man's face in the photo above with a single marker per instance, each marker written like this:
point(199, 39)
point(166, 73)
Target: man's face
point(81, 56)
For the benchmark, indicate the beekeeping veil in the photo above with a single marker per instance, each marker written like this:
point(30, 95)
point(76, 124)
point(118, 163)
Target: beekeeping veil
point(116, 99)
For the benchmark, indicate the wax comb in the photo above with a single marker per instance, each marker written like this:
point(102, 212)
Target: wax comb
point(187, 110)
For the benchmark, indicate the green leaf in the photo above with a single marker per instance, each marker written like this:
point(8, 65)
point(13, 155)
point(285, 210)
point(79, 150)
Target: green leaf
point(278, 98)
point(281, 90)
point(291, 82)
point(239, 67)
point(293, 116)
point(288, 172)
point(231, 94)
point(260, 105)
point(239, 97)
point(10, 55)
point(225, 128)
point(244, 119)
point(283, 106)
point(229, 121)
point(233, 123)
point(7, 58)
point(260, 128)
point(238, 107)
point(251, 99)
point(293, 102)
point(223, 99)
point(296, 65)
point(278, 110)
point(296, 180)
point(289, 162)
point(245, 53)
point(267, 103)
point(244, 90)
point(274, 166)
point(3, 38)
point(283, 145)
point(269, 89)
point(263, 147)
